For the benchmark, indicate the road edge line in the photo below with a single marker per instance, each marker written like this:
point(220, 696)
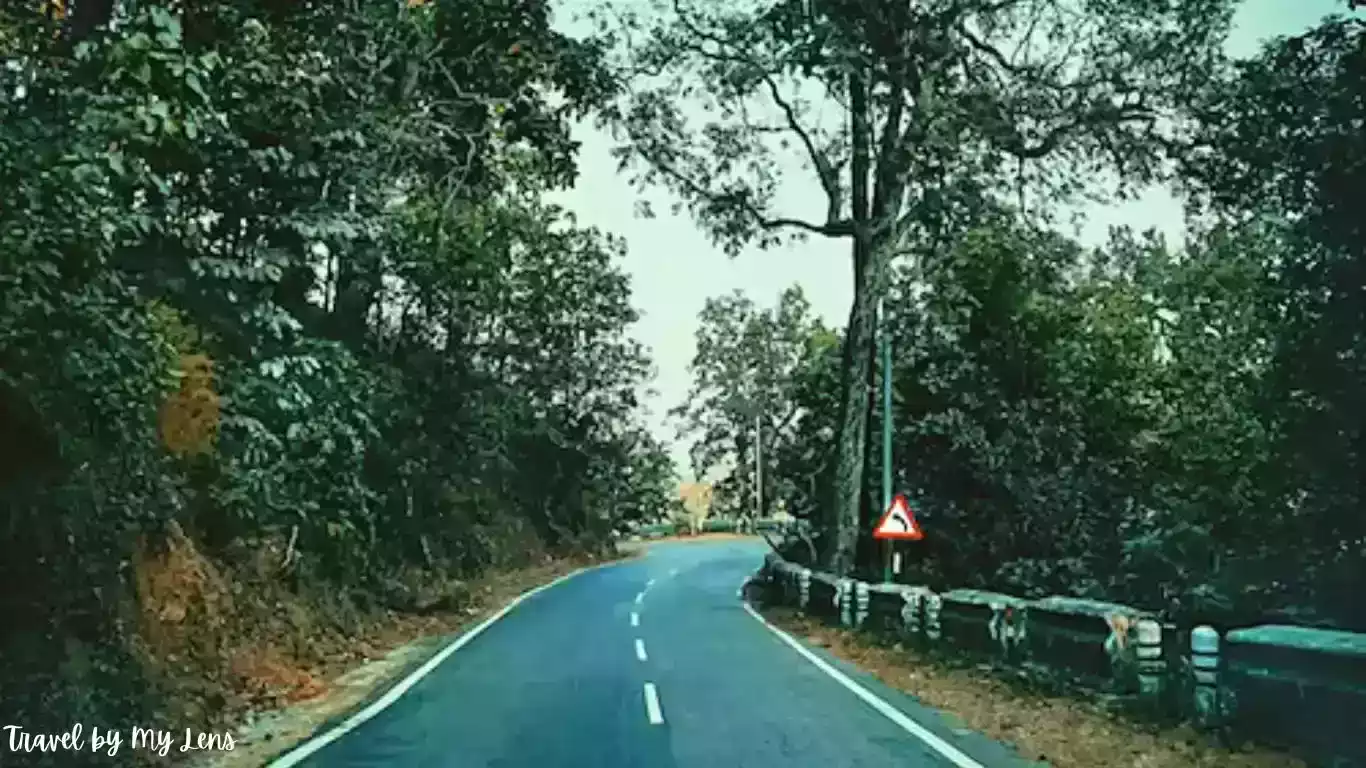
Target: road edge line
point(901, 719)
point(307, 748)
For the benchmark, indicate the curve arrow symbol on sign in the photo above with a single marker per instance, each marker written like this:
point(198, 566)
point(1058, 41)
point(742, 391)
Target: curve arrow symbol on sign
point(898, 522)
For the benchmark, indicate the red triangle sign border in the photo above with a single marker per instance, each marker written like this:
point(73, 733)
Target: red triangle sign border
point(898, 522)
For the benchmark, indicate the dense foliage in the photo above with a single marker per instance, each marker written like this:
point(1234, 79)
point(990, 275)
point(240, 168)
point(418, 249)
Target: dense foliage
point(282, 270)
point(1177, 427)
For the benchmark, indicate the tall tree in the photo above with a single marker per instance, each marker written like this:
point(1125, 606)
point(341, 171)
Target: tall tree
point(1281, 144)
point(934, 103)
point(744, 373)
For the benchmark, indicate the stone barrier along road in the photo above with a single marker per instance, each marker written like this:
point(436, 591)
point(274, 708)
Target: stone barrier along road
point(1292, 687)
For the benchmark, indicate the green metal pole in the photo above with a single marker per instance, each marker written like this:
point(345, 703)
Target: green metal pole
point(884, 339)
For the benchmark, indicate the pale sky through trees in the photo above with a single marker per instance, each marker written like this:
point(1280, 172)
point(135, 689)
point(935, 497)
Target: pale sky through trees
point(674, 269)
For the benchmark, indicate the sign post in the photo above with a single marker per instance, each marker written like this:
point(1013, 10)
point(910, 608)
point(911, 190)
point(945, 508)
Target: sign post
point(884, 340)
point(898, 524)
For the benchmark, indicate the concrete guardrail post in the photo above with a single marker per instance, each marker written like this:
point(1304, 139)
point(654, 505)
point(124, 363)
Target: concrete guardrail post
point(911, 612)
point(1017, 630)
point(933, 603)
point(804, 588)
point(1006, 628)
point(1205, 674)
point(861, 600)
point(1151, 666)
point(844, 599)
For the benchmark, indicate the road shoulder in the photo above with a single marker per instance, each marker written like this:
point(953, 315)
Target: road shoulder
point(942, 732)
point(1057, 731)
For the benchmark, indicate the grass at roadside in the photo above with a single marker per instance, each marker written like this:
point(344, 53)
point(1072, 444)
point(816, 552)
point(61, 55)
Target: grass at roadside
point(1061, 731)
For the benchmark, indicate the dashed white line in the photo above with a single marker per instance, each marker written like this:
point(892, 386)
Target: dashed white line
point(947, 750)
point(640, 649)
point(652, 710)
point(649, 583)
point(673, 571)
point(635, 619)
point(639, 597)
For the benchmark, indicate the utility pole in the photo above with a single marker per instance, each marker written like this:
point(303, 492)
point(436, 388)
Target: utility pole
point(885, 342)
point(758, 466)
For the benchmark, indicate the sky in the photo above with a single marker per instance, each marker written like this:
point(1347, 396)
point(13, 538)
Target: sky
point(674, 269)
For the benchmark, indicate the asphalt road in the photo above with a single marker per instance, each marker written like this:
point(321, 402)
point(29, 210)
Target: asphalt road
point(651, 663)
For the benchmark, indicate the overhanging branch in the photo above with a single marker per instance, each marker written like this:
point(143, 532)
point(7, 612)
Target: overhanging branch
point(831, 228)
point(826, 174)
point(1015, 144)
point(990, 52)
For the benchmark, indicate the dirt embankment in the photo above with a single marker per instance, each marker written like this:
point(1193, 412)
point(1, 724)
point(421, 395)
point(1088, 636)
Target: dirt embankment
point(1062, 732)
point(239, 644)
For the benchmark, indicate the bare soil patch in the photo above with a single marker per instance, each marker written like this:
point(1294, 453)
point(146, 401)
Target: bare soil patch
point(1064, 732)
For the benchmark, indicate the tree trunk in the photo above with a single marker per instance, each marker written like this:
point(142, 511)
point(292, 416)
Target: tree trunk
point(852, 449)
point(866, 554)
point(842, 530)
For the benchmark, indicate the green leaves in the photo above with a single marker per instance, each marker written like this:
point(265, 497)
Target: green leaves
point(725, 100)
point(747, 376)
point(418, 362)
point(1108, 424)
point(1281, 148)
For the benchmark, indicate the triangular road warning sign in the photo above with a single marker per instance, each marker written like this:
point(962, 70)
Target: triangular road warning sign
point(898, 522)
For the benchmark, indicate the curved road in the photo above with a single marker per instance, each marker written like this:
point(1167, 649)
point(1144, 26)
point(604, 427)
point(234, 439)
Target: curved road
point(649, 663)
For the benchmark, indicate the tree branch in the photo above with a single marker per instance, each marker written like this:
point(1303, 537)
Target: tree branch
point(990, 51)
point(887, 182)
point(1015, 144)
point(831, 228)
point(827, 175)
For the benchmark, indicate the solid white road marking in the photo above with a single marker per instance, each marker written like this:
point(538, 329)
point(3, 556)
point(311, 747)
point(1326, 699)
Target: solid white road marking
point(308, 748)
point(652, 705)
point(640, 649)
point(947, 750)
point(635, 619)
